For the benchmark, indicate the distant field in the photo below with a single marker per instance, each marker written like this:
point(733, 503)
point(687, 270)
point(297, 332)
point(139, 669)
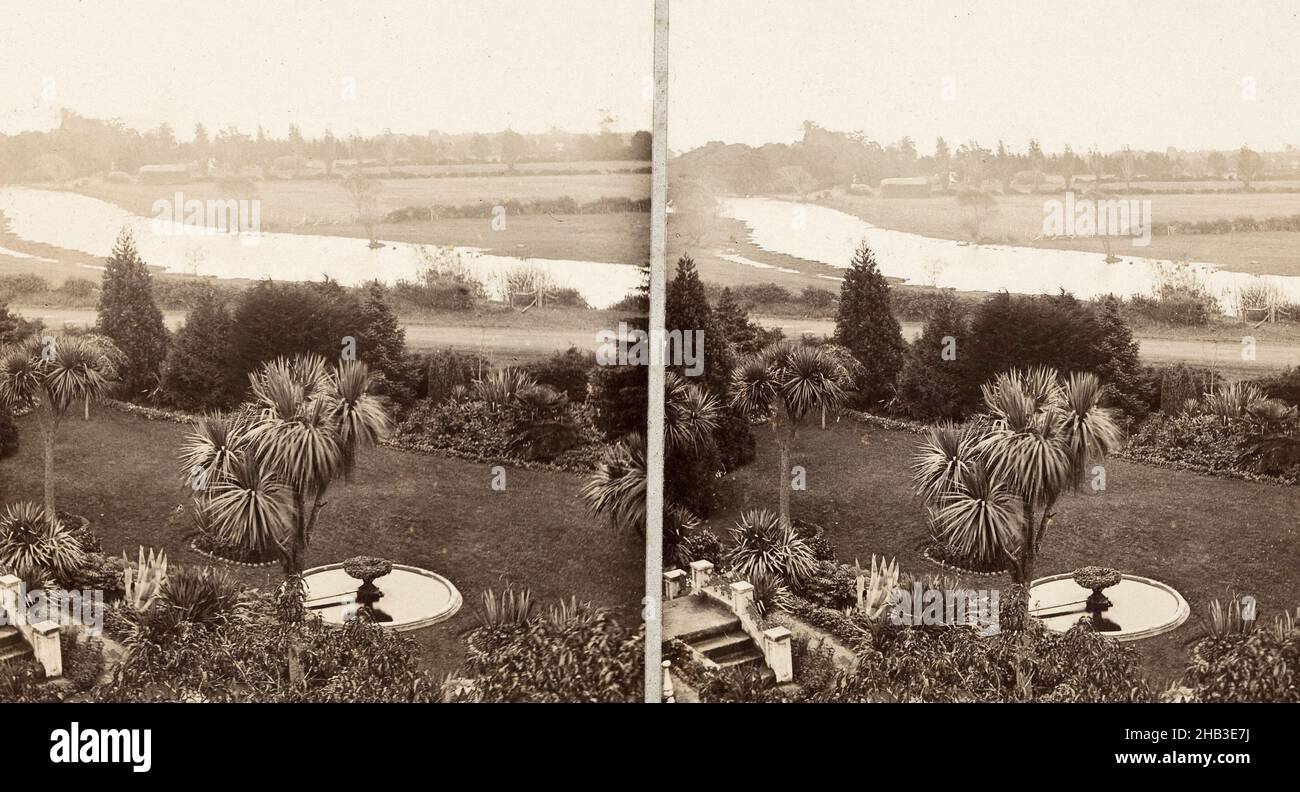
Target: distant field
point(1019, 221)
point(286, 205)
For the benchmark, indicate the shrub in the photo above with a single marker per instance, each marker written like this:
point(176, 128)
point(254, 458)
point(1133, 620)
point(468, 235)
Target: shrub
point(24, 683)
point(277, 652)
point(447, 369)
point(83, 662)
point(584, 657)
point(477, 430)
point(99, 572)
point(1264, 667)
point(565, 371)
point(8, 433)
point(199, 595)
point(932, 382)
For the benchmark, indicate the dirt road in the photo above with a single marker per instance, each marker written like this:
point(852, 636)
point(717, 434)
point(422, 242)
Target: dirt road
point(501, 344)
point(1224, 355)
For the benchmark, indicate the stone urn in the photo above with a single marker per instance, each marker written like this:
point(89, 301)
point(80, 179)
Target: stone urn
point(367, 569)
point(1098, 579)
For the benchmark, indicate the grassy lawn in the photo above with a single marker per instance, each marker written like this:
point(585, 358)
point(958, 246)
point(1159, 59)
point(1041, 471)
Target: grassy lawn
point(1207, 537)
point(431, 512)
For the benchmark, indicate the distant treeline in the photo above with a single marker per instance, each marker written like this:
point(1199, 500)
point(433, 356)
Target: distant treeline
point(824, 158)
point(83, 146)
point(564, 205)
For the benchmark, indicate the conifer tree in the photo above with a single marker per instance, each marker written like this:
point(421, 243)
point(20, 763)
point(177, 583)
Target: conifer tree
point(130, 317)
point(865, 325)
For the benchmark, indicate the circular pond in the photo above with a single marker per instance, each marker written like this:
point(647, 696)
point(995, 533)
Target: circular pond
point(1137, 607)
point(407, 598)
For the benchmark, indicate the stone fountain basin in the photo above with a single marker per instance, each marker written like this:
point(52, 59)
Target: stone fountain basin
point(1142, 607)
point(414, 597)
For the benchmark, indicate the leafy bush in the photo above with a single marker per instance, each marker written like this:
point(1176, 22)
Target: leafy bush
point(277, 651)
point(1283, 386)
point(24, 683)
point(565, 371)
point(99, 572)
point(83, 662)
point(8, 433)
point(1263, 667)
point(1210, 443)
point(511, 431)
point(586, 656)
point(199, 595)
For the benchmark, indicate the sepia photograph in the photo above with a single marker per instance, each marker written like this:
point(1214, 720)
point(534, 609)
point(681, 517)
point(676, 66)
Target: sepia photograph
point(303, 393)
point(1001, 321)
point(879, 352)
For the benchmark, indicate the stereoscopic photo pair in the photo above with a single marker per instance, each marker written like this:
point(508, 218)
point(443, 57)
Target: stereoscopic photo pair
point(649, 351)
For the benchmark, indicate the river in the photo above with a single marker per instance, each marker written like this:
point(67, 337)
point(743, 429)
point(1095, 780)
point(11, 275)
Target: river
point(88, 225)
point(818, 233)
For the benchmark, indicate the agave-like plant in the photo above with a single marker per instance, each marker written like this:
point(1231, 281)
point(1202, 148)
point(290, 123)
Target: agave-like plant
point(765, 544)
point(992, 485)
point(34, 546)
point(143, 582)
point(510, 608)
point(1233, 400)
point(770, 594)
point(49, 374)
point(266, 469)
point(502, 387)
point(782, 385)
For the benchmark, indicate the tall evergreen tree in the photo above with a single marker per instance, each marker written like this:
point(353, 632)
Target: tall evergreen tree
point(865, 325)
point(932, 382)
point(1120, 371)
point(381, 344)
point(196, 373)
point(129, 316)
point(687, 309)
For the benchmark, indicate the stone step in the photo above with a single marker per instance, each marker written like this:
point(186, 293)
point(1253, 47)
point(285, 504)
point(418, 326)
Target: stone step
point(15, 653)
point(697, 618)
point(723, 649)
point(10, 636)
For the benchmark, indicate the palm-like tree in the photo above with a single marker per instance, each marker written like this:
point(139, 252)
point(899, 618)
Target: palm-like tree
point(49, 374)
point(264, 471)
point(617, 488)
point(992, 485)
point(782, 385)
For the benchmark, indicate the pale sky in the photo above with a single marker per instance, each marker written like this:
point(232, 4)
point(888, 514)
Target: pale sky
point(1150, 73)
point(417, 65)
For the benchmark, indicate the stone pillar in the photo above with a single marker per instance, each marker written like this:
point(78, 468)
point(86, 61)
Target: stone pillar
point(701, 574)
point(742, 596)
point(10, 587)
point(776, 650)
point(45, 646)
point(674, 583)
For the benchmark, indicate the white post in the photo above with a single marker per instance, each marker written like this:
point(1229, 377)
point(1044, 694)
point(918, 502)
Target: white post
point(742, 596)
point(45, 646)
point(701, 574)
point(668, 696)
point(776, 651)
point(674, 582)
